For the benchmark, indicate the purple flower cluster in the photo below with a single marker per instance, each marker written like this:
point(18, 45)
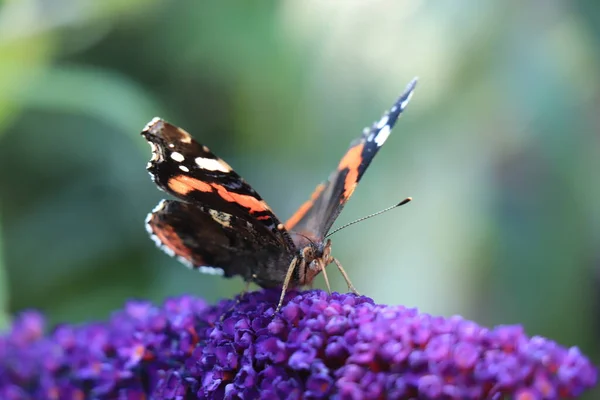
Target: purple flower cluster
point(318, 346)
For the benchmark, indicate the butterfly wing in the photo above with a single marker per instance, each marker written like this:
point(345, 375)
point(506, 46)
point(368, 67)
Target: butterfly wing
point(190, 171)
point(216, 242)
point(316, 216)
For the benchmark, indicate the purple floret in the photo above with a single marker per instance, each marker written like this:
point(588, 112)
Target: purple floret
point(317, 347)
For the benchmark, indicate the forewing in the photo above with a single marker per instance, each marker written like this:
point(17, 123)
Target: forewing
point(190, 171)
point(216, 242)
point(315, 217)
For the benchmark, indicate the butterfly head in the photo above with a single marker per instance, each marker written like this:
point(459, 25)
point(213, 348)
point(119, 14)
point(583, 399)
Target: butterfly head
point(315, 257)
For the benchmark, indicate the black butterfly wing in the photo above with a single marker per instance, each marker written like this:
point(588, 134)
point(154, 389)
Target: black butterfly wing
point(315, 217)
point(190, 171)
point(216, 242)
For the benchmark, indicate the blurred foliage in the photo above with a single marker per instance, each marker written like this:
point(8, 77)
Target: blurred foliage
point(498, 147)
point(4, 317)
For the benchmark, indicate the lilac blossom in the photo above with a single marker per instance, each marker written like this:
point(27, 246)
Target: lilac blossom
point(318, 346)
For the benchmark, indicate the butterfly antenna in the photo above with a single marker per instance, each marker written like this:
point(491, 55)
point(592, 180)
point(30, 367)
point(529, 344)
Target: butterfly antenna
point(403, 202)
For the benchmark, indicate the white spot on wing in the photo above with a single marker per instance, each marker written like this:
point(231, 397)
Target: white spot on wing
point(155, 151)
point(212, 165)
point(185, 262)
point(154, 238)
point(185, 137)
point(159, 206)
point(205, 269)
point(167, 250)
point(156, 209)
point(382, 122)
point(149, 124)
point(149, 228)
point(382, 135)
point(221, 217)
point(210, 270)
point(177, 156)
point(184, 168)
point(405, 102)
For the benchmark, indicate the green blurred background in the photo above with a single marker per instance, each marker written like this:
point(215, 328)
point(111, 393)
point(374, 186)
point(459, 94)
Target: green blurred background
point(498, 147)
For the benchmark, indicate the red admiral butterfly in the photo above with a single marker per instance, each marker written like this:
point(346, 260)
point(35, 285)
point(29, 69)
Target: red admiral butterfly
point(224, 227)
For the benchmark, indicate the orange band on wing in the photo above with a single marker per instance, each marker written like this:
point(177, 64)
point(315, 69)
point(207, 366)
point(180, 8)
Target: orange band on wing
point(169, 238)
point(294, 219)
point(182, 185)
point(351, 161)
point(250, 202)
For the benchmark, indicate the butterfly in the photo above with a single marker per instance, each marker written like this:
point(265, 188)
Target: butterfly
point(220, 225)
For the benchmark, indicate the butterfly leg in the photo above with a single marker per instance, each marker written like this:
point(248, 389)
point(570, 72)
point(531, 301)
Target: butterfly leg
point(346, 278)
point(286, 282)
point(326, 278)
